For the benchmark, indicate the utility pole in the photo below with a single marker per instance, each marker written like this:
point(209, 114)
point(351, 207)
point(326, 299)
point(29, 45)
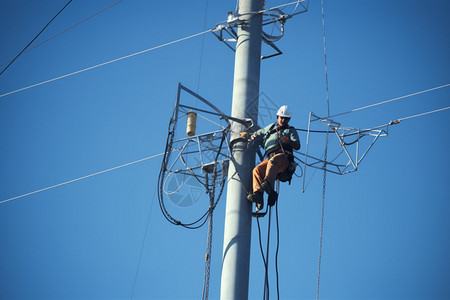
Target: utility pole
point(238, 218)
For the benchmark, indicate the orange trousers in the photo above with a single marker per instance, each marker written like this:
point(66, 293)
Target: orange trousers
point(268, 170)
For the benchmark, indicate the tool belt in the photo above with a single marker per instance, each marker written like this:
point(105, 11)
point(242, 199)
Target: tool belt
point(278, 150)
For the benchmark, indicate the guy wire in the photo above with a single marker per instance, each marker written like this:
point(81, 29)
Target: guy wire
point(35, 37)
point(325, 155)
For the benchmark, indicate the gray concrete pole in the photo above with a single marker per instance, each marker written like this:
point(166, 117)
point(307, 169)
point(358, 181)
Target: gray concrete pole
point(238, 219)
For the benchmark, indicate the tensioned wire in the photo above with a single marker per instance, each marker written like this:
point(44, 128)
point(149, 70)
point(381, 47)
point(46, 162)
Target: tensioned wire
point(388, 101)
point(325, 154)
point(42, 30)
point(127, 56)
point(67, 29)
point(106, 63)
point(423, 114)
point(81, 178)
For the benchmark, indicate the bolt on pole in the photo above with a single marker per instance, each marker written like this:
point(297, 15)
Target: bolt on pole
point(237, 235)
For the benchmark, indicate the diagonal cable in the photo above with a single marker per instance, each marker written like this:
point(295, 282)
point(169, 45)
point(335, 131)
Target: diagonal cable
point(423, 114)
point(34, 38)
point(390, 100)
point(67, 29)
point(105, 63)
point(81, 178)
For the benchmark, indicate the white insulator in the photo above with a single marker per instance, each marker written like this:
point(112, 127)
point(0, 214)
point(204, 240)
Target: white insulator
point(191, 123)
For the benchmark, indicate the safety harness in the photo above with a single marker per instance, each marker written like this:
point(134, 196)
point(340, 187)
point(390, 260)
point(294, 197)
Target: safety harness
point(286, 175)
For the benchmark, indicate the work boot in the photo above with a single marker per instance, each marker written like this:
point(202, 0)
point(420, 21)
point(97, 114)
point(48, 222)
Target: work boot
point(266, 187)
point(257, 198)
point(273, 197)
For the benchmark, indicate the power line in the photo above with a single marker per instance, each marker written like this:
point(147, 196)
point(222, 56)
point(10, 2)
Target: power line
point(397, 121)
point(34, 38)
point(81, 178)
point(67, 29)
point(105, 63)
point(425, 113)
point(388, 101)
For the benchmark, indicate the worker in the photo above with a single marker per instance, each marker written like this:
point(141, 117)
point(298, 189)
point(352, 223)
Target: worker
point(278, 140)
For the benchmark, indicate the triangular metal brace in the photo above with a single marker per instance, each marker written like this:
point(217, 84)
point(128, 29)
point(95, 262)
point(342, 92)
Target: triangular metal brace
point(204, 153)
point(343, 134)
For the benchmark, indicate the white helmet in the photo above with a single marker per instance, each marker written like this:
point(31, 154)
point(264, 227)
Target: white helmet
point(284, 112)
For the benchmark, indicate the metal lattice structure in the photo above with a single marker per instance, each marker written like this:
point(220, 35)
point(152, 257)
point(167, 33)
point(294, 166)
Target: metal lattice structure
point(200, 161)
point(346, 160)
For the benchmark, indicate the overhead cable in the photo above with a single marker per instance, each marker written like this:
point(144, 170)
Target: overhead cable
point(34, 38)
point(423, 114)
point(81, 178)
point(388, 101)
point(105, 63)
point(67, 29)
point(397, 121)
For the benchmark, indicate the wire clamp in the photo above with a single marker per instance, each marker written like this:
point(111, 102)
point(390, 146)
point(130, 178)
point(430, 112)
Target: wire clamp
point(394, 122)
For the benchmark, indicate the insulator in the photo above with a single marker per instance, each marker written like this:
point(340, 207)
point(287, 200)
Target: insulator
point(191, 123)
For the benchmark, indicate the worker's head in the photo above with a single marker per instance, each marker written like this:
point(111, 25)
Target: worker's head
point(283, 116)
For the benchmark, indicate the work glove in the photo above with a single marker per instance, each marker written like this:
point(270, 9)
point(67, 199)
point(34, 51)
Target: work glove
point(245, 136)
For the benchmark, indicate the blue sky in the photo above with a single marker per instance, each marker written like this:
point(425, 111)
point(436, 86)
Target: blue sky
point(386, 229)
